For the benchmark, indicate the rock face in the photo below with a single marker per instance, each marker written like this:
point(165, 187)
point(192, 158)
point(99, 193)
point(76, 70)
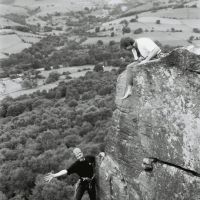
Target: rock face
point(160, 122)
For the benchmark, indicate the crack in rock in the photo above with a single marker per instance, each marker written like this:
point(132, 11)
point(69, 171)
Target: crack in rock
point(150, 161)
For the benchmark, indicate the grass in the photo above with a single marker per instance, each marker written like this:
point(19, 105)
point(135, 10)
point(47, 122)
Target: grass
point(6, 22)
point(52, 6)
point(33, 20)
point(2, 56)
point(182, 13)
point(7, 85)
point(192, 23)
point(7, 9)
point(12, 44)
point(161, 32)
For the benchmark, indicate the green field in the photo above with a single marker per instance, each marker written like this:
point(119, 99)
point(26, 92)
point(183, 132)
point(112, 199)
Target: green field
point(12, 44)
point(52, 6)
point(6, 22)
point(170, 31)
point(7, 9)
point(182, 13)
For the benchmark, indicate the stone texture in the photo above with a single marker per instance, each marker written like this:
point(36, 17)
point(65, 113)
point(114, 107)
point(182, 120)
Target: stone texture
point(161, 120)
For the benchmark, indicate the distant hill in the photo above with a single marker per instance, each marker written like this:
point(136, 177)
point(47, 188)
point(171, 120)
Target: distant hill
point(52, 6)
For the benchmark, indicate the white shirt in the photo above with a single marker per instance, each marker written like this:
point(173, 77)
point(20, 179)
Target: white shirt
point(145, 47)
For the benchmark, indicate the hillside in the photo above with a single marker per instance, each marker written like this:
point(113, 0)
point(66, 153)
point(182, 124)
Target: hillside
point(51, 6)
point(173, 20)
point(168, 26)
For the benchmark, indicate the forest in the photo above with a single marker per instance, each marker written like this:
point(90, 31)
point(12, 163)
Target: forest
point(39, 131)
point(46, 53)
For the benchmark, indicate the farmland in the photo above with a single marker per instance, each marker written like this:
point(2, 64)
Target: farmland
point(175, 26)
point(169, 25)
point(13, 88)
point(7, 9)
point(12, 44)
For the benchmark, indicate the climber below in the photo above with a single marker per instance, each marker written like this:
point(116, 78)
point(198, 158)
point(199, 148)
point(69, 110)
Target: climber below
point(84, 167)
point(143, 49)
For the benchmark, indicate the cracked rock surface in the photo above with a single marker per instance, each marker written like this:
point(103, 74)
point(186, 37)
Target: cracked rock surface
point(160, 120)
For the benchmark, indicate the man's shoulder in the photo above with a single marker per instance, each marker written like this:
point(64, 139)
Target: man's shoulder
point(72, 168)
point(74, 164)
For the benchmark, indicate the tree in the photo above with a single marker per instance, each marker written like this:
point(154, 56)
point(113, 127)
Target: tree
point(73, 103)
point(124, 22)
point(78, 61)
point(126, 30)
point(196, 30)
point(99, 42)
point(98, 67)
point(112, 34)
point(112, 42)
point(138, 31)
point(53, 76)
point(15, 109)
point(191, 38)
point(72, 140)
point(87, 9)
point(2, 196)
point(97, 29)
point(56, 190)
point(21, 179)
point(47, 29)
point(172, 29)
point(133, 20)
point(157, 21)
point(29, 83)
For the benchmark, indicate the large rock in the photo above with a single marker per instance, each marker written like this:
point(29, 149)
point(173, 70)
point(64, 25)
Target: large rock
point(161, 121)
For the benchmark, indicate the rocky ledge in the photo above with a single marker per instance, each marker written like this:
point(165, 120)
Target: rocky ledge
point(153, 149)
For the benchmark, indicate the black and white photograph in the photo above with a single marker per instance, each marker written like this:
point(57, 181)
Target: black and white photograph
point(99, 99)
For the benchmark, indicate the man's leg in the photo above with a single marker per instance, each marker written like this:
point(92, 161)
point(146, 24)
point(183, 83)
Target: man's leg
point(79, 191)
point(92, 190)
point(129, 80)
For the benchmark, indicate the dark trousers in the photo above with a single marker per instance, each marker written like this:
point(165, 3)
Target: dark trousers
point(85, 186)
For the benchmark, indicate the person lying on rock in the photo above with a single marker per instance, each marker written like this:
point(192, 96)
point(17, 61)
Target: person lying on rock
point(85, 168)
point(143, 49)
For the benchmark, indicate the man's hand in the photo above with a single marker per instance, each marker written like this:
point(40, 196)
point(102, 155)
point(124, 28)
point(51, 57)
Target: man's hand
point(140, 59)
point(143, 62)
point(49, 177)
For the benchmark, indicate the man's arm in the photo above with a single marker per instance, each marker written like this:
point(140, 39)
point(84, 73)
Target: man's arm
point(50, 176)
point(134, 54)
point(152, 54)
point(60, 173)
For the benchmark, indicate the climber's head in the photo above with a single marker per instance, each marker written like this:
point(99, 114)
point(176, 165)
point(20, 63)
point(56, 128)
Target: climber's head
point(127, 43)
point(78, 153)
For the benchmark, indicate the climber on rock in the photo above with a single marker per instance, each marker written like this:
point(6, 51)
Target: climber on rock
point(143, 49)
point(85, 168)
